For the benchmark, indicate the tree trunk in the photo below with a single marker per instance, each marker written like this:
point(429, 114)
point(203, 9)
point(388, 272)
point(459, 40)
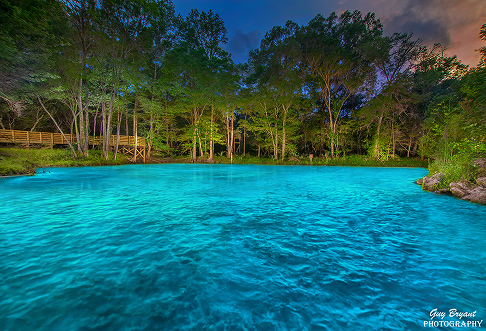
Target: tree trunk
point(86, 133)
point(409, 147)
point(126, 123)
point(151, 135)
point(135, 129)
point(228, 138)
point(94, 128)
point(82, 125)
point(211, 141)
point(194, 137)
point(376, 148)
point(201, 152)
point(103, 127)
point(76, 129)
point(58, 127)
point(244, 139)
point(283, 133)
point(232, 134)
point(118, 124)
point(107, 126)
point(275, 148)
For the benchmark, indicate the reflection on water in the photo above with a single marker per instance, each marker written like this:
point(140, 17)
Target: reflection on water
point(218, 247)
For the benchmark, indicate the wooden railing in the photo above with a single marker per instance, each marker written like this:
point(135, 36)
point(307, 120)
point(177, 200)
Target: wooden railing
point(47, 138)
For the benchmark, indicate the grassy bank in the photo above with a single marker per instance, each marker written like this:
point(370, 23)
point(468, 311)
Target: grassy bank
point(457, 169)
point(19, 161)
point(352, 160)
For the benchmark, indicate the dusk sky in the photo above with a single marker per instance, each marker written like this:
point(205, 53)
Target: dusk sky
point(453, 23)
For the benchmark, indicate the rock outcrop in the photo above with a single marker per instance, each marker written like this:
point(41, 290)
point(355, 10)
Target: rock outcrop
point(465, 190)
point(476, 195)
point(461, 189)
point(431, 183)
point(480, 163)
point(481, 181)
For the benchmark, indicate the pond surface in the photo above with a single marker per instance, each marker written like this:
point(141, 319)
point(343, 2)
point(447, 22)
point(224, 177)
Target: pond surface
point(221, 247)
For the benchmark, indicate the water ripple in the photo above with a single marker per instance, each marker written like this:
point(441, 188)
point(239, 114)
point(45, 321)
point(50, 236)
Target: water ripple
point(215, 247)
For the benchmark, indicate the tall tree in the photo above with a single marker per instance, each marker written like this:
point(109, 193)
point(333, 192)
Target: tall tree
point(333, 53)
point(278, 79)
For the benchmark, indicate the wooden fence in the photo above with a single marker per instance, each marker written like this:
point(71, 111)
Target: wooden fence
point(126, 144)
point(47, 138)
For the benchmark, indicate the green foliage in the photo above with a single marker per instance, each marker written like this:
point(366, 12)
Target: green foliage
point(16, 161)
point(380, 148)
point(459, 168)
point(306, 89)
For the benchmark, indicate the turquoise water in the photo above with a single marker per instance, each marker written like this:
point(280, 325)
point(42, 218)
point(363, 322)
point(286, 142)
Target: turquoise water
point(220, 247)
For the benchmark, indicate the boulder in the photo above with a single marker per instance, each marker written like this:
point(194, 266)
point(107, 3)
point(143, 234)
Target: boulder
point(476, 195)
point(480, 163)
point(481, 181)
point(443, 191)
point(430, 183)
point(420, 181)
point(460, 189)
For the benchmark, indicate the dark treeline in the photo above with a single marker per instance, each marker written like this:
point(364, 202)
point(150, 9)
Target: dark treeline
point(334, 87)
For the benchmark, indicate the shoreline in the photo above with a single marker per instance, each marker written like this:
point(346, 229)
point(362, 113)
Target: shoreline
point(176, 161)
point(201, 163)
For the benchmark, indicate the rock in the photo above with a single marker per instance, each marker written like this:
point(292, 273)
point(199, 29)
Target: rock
point(420, 181)
point(430, 183)
point(443, 191)
point(460, 189)
point(481, 181)
point(476, 195)
point(480, 163)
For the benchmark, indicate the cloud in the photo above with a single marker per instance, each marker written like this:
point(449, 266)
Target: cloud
point(429, 30)
point(240, 43)
point(453, 23)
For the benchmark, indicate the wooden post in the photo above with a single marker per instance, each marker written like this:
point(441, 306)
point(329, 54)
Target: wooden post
point(52, 140)
point(42, 142)
point(28, 138)
point(13, 135)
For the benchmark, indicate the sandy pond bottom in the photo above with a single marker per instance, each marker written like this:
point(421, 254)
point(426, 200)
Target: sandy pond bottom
point(221, 247)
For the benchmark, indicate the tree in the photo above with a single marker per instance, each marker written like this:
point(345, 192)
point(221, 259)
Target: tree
point(30, 32)
point(278, 81)
point(482, 50)
point(336, 62)
point(200, 64)
point(394, 58)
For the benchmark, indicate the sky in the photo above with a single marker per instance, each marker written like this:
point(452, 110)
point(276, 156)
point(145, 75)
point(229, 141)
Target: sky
point(453, 23)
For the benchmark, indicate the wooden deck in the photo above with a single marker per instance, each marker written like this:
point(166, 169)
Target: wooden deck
point(48, 138)
point(126, 144)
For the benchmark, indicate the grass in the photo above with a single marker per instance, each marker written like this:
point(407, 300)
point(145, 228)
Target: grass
point(352, 160)
point(20, 161)
point(459, 168)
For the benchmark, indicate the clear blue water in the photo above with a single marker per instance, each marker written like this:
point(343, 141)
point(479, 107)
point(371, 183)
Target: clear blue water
point(220, 247)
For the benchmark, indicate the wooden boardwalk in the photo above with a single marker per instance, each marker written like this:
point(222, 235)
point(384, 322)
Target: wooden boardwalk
point(126, 144)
